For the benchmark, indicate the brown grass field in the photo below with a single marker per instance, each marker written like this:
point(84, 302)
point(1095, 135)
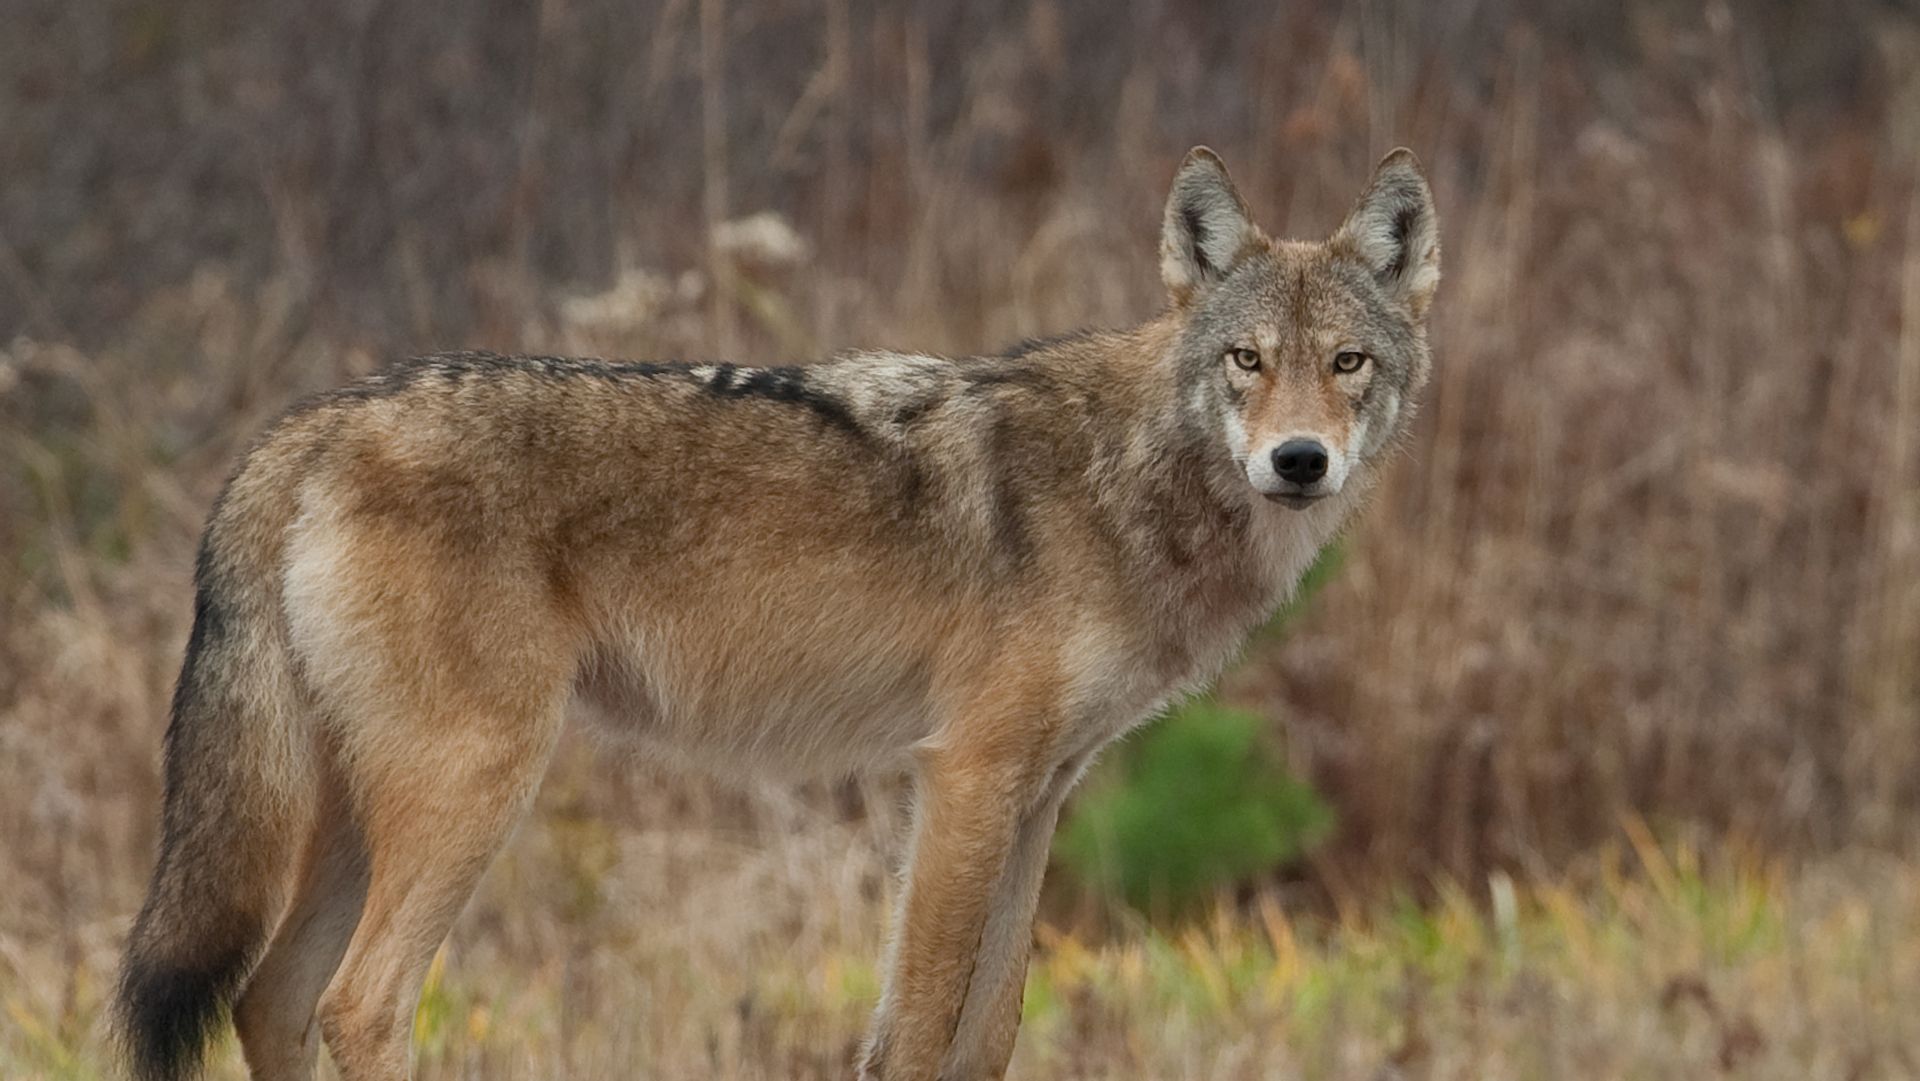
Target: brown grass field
point(1615, 694)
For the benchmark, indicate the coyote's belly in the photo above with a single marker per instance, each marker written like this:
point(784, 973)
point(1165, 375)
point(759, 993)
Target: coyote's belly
point(816, 694)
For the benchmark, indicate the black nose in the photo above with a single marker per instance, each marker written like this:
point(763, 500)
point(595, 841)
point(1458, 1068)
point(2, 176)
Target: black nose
point(1300, 461)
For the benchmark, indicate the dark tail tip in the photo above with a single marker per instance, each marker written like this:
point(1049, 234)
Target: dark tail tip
point(168, 1012)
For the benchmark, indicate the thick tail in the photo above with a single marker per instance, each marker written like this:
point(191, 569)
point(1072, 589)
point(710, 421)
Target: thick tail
point(236, 795)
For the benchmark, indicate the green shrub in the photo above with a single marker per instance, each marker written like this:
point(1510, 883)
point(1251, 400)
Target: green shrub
point(1196, 802)
point(1199, 802)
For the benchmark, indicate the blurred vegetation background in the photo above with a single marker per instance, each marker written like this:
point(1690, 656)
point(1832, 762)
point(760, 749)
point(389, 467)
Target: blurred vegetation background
point(1598, 754)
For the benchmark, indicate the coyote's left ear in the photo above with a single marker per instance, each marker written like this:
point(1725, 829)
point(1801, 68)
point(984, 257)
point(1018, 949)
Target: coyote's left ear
point(1394, 230)
point(1206, 229)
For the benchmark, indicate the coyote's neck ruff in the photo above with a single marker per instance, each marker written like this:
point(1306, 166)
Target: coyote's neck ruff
point(983, 569)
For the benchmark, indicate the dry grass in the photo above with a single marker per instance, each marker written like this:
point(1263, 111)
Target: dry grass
point(604, 952)
point(1656, 555)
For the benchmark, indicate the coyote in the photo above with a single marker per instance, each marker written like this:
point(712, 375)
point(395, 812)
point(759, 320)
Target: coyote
point(981, 570)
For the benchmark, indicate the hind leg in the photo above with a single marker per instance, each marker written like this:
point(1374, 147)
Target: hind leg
point(432, 829)
point(275, 1015)
point(441, 661)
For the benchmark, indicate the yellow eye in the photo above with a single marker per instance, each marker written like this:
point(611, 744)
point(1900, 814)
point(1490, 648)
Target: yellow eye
point(1349, 362)
point(1245, 359)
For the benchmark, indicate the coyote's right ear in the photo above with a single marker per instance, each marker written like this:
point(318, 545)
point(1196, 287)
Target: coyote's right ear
point(1206, 229)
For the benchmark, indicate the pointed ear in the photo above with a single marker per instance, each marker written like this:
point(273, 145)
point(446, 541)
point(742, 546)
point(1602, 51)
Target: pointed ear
point(1206, 229)
point(1395, 231)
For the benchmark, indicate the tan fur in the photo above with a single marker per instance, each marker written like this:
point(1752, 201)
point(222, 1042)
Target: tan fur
point(982, 570)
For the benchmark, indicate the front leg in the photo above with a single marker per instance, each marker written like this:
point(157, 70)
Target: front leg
point(972, 802)
point(983, 1043)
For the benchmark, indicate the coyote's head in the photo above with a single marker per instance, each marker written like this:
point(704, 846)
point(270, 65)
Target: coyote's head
point(1305, 357)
